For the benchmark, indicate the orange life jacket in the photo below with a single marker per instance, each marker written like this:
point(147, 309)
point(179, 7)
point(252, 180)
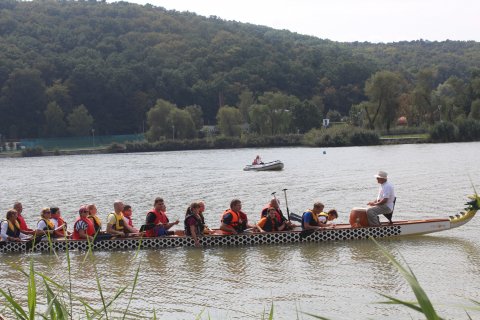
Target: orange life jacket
point(235, 217)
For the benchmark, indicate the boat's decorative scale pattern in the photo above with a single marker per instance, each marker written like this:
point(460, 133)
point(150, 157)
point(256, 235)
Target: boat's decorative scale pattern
point(209, 241)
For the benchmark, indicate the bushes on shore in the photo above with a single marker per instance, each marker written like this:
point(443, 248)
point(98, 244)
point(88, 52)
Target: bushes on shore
point(340, 136)
point(32, 152)
point(462, 130)
point(220, 142)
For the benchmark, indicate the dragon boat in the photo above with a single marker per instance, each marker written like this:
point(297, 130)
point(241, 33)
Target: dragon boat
point(220, 238)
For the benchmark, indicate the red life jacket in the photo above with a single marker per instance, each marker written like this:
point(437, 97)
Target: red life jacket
point(23, 224)
point(60, 222)
point(129, 221)
point(160, 217)
point(90, 228)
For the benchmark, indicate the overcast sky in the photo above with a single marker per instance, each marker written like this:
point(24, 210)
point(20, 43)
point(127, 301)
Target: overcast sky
point(348, 20)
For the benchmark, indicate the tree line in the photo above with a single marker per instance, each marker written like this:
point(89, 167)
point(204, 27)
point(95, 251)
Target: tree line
point(70, 67)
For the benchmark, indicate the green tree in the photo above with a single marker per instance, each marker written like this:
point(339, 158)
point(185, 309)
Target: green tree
point(422, 96)
point(55, 125)
point(475, 110)
point(60, 94)
point(383, 89)
point(260, 119)
point(196, 113)
point(450, 97)
point(80, 122)
point(246, 100)
point(24, 101)
point(280, 108)
point(307, 115)
point(229, 121)
point(182, 124)
point(157, 120)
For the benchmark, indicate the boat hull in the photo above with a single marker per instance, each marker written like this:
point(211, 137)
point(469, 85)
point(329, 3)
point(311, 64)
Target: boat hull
point(268, 166)
point(339, 232)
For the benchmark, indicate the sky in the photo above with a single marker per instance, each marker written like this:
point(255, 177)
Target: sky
point(347, 20)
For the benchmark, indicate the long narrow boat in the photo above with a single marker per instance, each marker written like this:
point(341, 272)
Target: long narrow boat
point(219, 238)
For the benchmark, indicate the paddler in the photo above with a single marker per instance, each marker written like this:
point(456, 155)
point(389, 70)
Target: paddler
point(116, 225)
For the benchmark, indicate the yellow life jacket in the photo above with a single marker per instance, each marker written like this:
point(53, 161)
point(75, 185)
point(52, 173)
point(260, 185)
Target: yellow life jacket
point(50, 224)
point(119, 223)
point(96, 220)
point(323, 214)
point(13, 227)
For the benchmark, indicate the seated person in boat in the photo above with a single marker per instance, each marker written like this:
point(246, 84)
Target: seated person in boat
point(23, 225)
point(206, 229)
point(193, 223)
point(274, 203)
point(324, 217)
point(257, 160)
point(83, 227)
point(45, 225)
point(97, 223)
point(157, 223)
point(116, 225)
point(92, 215)
point(127, 214)
point(271, 222)
point(234, 220)
point(59, 223)
point(10, 228)
point(384, 202)
point(310, 217)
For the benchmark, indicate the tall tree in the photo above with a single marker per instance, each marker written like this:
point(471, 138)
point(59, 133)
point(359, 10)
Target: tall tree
point(229, 121)
point(307, 116)
point(246, 100)
point(55, 125)
point(196, 113)
point(80, 122)
point(280, 107)
point(182, 124)
point(24, 102)
point(157, 120)
point(383, 89)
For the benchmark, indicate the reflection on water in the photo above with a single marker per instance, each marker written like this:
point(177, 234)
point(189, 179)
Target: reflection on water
point(339, 280)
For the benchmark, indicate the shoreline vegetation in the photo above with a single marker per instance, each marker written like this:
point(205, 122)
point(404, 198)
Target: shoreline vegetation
point(335, 136)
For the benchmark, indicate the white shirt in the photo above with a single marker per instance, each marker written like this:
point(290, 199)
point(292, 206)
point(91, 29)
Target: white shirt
point(3, 232)
point(386, 191)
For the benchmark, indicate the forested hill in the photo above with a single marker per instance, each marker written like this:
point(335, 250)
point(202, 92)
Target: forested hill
point(117, 59)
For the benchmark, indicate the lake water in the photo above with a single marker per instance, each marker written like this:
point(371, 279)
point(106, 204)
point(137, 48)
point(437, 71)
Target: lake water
point(338, 280)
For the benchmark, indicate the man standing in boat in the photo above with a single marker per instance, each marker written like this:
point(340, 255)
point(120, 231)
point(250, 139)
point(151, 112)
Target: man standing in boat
point(384, 202)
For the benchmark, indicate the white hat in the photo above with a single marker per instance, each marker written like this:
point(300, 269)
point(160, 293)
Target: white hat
point(381, 174)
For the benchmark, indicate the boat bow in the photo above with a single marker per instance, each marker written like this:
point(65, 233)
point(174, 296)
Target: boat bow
point(463, 217)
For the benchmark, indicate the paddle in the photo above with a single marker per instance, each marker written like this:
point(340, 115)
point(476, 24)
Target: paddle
point(295, 217)
point(286, 204)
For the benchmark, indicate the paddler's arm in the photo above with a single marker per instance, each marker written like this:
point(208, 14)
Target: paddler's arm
point(113, 231)
point(227, 228)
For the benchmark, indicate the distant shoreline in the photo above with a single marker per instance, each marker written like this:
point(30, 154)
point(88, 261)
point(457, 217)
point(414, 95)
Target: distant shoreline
point(108, 149)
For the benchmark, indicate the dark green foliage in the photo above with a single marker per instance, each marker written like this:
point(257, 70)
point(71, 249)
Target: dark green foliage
point(116, 148)
point(117, 59)
point(468, 130)
point(339, 136)
point(32, 152)
point(444, 132)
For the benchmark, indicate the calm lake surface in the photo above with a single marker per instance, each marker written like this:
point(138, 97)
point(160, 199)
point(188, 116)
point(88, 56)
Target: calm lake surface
point(338, 280)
